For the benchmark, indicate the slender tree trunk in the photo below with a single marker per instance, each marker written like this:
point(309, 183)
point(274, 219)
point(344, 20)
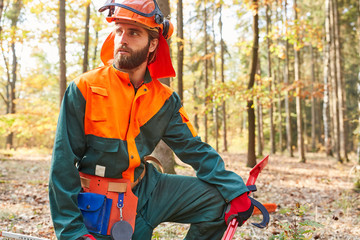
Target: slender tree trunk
point(278, 87)
point(180, 49)
point(14, 19)
point(299, 121)
point(340, 84)
point(206, 73)
point(313, 102)
point(215, 107)
point(279, 104)
point(287, 104)
point(225, 149)
point(325, 113)
point(334, 86)
point(195, 82)
point(62, 47)
point(271, 110)
point(162, 151)
point(358, 85)
point(251, 157)
point(86, 42)
point(95, 49)
point(260, 135)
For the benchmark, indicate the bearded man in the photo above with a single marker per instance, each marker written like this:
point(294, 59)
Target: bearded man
point(101, 185)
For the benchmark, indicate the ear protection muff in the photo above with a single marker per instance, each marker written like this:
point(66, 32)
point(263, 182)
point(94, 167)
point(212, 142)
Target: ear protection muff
point(166, 26)
point(168, 29)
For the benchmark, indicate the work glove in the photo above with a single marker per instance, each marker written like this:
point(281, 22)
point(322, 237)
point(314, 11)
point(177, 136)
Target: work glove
point(86, 237)
point(240, 207)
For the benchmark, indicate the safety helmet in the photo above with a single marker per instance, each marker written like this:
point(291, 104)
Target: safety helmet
point(144, 12)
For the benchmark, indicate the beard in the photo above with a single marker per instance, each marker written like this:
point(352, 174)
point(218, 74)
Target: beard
point(135, 59)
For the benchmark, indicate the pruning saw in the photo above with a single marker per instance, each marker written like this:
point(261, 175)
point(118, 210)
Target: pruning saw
point(254, 173)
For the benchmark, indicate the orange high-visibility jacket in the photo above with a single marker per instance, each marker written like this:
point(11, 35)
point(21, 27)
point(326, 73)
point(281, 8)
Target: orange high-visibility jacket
point(106, 128)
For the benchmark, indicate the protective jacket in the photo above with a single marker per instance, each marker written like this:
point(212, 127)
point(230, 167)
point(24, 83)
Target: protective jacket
point(106, 127)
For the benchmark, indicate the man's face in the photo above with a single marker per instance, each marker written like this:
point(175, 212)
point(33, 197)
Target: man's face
point(131, 46)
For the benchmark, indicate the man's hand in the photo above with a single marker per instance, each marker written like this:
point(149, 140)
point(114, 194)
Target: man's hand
point(86, 237)
point(241, 208)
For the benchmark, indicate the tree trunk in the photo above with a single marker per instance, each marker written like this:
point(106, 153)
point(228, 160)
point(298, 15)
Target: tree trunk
point(225, 147)
point(195, 82)
point(14, 18)
point(358, 86)
point(287, 104)
point(340, 88)
point(260, 135)
point(300, 136)
point(271, 110)
point(215, 107)
point(334, 95)
point(279, 104)
point(166, 157)
point(325, 113)
point(180, 49)
point(251, 157)
point(206, 102)
point(62, 47)
point(86, 42)
point(313, 102)
point(162, 151)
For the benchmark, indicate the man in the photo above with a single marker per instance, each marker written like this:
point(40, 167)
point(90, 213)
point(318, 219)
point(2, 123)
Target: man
point(111, 118)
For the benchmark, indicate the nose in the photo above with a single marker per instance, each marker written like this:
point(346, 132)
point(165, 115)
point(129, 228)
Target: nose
point(123, 39)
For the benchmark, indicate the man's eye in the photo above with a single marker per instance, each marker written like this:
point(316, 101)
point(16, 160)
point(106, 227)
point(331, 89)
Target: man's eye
point(134, 33)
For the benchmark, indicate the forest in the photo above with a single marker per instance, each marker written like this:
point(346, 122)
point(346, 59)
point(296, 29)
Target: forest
point(256, 77)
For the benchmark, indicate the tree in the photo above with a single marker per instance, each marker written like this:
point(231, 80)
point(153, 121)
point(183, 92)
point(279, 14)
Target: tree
point(180, 48)
point(334, 86)
point(300, 137)
point(339, 79)
point(62, 47)
point(206, 72)
point(325, 112)
point(14, 17)
point(358, 84)
point(162, 151)
point(215, 107)
point(225, 147)
point(286, 82)
point(86, 42)
point(251, 157)
point(271, 110)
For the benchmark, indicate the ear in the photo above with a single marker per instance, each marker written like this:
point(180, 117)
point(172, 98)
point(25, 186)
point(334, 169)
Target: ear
point(153, 45)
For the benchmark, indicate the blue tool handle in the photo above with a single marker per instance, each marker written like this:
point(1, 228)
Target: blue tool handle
point(264, 212)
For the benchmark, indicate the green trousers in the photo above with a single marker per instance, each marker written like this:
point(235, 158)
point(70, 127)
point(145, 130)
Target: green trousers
point(181, 199)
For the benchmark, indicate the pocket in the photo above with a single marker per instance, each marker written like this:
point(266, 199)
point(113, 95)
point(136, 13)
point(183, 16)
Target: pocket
point(99, 103)
point(95, 209)
point(103, 144)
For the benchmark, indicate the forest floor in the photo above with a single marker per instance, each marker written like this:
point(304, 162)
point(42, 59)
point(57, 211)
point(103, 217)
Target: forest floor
point(317, 196)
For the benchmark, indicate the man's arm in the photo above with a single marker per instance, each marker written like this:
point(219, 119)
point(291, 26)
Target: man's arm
point(64, 181)
point(209, 166)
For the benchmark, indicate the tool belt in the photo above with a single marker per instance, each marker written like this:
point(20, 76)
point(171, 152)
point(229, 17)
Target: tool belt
point(106, 201)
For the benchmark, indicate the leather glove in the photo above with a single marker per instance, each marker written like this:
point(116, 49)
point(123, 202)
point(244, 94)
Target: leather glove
point(240, 207)
point(86, 237)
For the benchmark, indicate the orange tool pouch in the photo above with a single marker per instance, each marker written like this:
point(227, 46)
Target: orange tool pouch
point(118, 192)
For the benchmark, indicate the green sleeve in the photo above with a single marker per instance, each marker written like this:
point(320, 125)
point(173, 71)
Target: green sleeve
point(64, 181)
point(207, 163)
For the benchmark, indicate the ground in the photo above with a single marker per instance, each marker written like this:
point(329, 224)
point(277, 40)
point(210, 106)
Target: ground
point(318, 194)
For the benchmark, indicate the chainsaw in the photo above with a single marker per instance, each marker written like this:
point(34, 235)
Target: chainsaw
point(230, 231)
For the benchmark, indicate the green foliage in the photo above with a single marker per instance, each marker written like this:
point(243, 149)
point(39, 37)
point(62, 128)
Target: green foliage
point(297, 228)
